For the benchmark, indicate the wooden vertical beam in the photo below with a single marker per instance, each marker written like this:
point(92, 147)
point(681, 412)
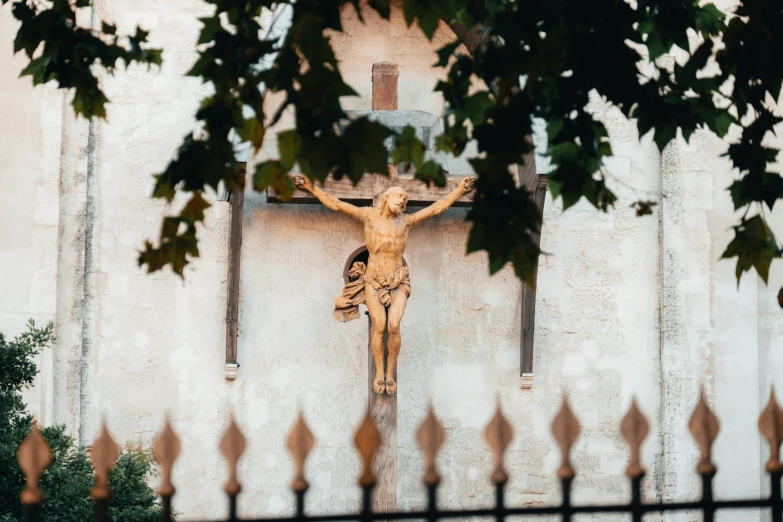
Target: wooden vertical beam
point(383, 408)
point(536, 185)
point(237, 201)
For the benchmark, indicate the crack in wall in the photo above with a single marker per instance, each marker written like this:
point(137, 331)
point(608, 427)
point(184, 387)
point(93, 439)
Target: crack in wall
point(87, 296)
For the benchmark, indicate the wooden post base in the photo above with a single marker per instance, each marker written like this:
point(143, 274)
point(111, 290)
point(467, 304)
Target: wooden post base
point(383, 411)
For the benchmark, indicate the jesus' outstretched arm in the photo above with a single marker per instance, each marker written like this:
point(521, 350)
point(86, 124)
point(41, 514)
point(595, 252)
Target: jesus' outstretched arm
point(439, 207)
point(328, 200)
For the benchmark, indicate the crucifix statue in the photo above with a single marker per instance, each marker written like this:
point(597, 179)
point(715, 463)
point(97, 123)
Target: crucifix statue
point(379, 201)
point(368, 192)
point(384, 284)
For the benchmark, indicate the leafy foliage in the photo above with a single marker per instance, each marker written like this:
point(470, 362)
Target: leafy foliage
point(543, 60)
point(62, 51)
point(67, 482)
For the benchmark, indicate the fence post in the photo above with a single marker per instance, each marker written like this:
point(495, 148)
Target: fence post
point(775, 500)
point(102, 510)
point(500, 501)
point(232, 508)
point(432, 502)
point(166, 511)
point(707, 500)
point(636, 498)
point(31, 512)
point(300, 504)
point(366, 503)
point(566, 505)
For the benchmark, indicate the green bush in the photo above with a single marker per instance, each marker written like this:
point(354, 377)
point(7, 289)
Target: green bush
point(67, 482)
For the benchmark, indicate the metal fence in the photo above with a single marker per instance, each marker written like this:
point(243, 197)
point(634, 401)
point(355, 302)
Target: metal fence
point(34, 456)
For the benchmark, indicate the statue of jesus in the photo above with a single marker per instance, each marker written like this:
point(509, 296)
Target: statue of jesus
point(384, 284)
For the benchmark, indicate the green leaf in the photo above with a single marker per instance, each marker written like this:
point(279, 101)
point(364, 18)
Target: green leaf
point(709, 20)
point(141, 35)
point(563, 152)
point(204, 64)
point(753, 187)
point(253, 131)
point(656, 46)
point(753, 246)
point(431, 172)
point(289, 143)
point(428, 21)
point(475, 107)
point(553, 128)
point(664, 134)
point(409, 11)
point(425, 15)
point(163, 189)
point(722, 122)
point(269, 174)
point(363, 142)
point(194, 208)
point(212, 27)
point(382, 7)
point(36, 69)
point(408, 149)
point(89, 104)
point(446, 52)
point(645, 27)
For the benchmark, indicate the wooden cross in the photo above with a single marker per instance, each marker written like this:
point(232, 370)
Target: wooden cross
point(366, 193)
point(382, 407)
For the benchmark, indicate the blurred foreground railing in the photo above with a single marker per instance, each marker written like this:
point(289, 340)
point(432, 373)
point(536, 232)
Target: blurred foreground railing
point(34, 457)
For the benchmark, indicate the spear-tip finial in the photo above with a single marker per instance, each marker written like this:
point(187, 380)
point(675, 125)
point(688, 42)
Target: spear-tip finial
point(368, 442)
point(166, 448)
point(565, 428)
point(771, 428)
point(704, 428)
point(430, 437)
point(634, 428)
point(34, 456)
point(498, 434)
point(104, 454)
point(232, 446)
point(300, 442)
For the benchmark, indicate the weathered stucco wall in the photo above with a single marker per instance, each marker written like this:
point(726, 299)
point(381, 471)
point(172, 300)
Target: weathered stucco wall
point(627, 306)
point(29, 205)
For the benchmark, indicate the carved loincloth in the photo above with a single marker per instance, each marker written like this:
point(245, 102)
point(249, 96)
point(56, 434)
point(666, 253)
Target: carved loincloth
point(346, 306)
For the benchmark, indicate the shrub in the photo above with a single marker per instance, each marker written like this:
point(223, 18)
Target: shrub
point(67, 482)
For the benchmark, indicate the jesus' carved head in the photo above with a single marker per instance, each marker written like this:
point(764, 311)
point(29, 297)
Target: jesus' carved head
point(395, 199)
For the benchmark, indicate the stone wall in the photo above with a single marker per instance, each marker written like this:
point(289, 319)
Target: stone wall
point(30, 131)
point(627, 306)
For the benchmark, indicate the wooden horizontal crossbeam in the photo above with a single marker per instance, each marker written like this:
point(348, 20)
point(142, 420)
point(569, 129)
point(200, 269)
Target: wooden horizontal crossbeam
point(371, 187)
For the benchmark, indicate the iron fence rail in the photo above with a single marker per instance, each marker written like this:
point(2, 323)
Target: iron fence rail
point(707, 506)
point(34, 456)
